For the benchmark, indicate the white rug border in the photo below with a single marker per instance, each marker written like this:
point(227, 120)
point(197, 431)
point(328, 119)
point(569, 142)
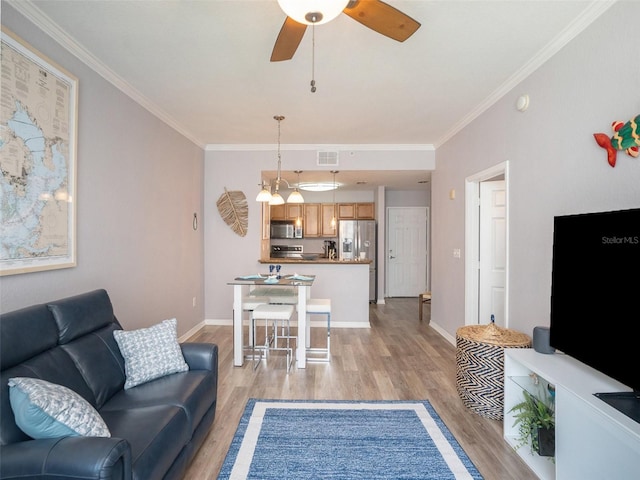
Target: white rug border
point(247, 448)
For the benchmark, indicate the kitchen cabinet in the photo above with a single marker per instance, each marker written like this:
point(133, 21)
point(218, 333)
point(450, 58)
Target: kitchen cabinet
point(346, 211)
point(356, 211)
point(312, 225)
point(317, 220)
point(287, 211)
point(365, 211)
point(328, 211)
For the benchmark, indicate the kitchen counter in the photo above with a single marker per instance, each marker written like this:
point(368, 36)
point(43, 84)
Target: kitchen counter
point(346, 286)
point(319, 260)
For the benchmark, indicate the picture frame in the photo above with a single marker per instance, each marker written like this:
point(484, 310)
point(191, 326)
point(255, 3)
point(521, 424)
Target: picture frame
point(38, 150)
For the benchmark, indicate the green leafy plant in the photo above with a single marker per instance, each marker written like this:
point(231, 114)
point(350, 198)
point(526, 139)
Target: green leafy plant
point(532, 415)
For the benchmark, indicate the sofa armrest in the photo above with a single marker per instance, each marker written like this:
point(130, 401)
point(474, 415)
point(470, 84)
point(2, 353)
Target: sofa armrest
point(98, 458)
point(201, 356)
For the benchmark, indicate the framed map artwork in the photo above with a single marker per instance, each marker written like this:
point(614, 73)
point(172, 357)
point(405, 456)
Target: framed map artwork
point(38, 133)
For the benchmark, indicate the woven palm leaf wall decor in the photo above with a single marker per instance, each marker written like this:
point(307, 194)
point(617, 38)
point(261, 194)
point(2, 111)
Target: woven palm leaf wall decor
point(234, 210)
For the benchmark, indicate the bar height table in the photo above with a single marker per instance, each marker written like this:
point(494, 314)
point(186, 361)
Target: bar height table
point(303, 286)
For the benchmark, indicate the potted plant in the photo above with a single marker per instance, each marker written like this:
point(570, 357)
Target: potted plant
point(536, 425)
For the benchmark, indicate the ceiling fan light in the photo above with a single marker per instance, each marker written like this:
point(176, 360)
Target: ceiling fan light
point(276, 199)
point(302, 11)
point(295, 197)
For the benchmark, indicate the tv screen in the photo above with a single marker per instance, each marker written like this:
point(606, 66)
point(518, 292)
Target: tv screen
point(595, 291)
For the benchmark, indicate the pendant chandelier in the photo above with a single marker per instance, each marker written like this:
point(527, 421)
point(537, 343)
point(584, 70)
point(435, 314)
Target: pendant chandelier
point(275, 198)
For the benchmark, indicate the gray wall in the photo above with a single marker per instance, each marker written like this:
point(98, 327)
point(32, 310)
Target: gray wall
point(555, 165)
point(138, 186)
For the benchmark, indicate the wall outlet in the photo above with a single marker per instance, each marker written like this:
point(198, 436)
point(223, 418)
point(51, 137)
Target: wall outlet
point(456, 253)
point(194, 302)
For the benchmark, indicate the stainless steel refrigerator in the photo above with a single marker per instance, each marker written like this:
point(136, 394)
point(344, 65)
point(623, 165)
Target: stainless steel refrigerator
point(355, 237)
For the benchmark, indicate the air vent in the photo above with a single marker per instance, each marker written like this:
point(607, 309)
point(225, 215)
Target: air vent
point(327, 159)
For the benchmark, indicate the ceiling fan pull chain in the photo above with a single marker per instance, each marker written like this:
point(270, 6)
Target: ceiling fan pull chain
point(313, 58)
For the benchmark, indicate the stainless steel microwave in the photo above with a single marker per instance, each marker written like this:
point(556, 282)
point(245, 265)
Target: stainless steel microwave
point(285, 229)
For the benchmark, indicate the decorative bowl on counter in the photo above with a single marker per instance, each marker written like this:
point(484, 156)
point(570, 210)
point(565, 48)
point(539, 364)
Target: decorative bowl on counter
point(310, 256)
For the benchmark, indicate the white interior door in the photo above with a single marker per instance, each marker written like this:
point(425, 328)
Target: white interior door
point(406, 251)
point(492, 261)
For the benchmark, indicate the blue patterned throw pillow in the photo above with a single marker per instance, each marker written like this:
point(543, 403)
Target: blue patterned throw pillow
point(46, 410)
point(150, 353)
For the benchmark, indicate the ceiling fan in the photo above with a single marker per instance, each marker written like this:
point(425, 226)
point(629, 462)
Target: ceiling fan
point(374, 14)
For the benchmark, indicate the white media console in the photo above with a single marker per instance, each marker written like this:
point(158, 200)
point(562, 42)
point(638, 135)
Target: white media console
point(593, 440)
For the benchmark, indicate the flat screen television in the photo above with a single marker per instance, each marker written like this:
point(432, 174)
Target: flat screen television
point(595, 297)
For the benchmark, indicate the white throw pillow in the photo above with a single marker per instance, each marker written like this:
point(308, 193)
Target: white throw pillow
point(150, 353)
point(46, 410)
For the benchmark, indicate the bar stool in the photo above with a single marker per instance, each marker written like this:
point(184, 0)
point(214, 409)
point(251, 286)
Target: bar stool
point(277, 313)
point(249, 304)
point(320, 306)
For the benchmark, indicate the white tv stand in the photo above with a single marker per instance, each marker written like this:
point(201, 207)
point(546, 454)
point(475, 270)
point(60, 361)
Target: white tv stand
point(593, 440)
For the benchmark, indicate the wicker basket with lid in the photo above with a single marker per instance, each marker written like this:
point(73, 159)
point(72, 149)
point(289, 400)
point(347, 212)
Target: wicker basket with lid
point(480, 366)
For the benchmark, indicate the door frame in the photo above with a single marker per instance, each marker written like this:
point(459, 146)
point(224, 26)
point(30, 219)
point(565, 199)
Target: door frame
point(472, 241)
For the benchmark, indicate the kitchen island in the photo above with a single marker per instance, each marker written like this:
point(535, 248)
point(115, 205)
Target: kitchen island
point(346, 283)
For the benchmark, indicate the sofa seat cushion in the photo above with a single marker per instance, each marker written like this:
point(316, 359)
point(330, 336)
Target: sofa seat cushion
point(191, 391)
point(157, 434)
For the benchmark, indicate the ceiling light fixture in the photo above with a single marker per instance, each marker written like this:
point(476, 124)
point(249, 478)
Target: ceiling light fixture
point(275, 198)
point(317, 186)
point(312, 12)
point(296, 196)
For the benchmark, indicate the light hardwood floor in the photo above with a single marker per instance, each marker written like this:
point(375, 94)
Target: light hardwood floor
point(398, 358)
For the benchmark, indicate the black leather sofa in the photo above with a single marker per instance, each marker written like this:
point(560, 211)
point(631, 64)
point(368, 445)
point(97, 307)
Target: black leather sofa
point(156, 427)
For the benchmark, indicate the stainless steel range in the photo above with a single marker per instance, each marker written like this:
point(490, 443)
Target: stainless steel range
point(286, 251)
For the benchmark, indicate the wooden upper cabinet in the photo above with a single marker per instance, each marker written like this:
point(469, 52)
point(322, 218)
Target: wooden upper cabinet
point(311, 220)
point(294, 211)
point(356, 211)
point(278, 212)
point(328, 214)
point(347, 211)
point(287, 211)
point(365, 211)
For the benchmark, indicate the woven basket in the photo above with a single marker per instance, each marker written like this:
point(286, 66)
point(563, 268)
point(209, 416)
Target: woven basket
point(480, 366)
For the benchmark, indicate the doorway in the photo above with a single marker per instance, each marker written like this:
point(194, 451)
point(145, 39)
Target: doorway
point(487, 246)
point(407, 251)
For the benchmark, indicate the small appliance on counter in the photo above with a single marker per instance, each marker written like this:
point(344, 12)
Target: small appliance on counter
point(330, 249)
point(286, 251)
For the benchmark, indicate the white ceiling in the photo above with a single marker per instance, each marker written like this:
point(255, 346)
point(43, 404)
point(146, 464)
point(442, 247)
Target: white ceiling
point(203, 65)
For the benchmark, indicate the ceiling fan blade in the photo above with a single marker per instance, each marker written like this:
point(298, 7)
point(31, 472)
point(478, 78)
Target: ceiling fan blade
point(382, 18)
point(288, 40)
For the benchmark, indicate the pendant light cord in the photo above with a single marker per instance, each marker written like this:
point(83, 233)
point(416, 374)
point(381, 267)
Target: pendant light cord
point(313, 58)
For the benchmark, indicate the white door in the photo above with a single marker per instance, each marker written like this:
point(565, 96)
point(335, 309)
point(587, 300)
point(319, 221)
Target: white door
point(406, 251)
point(492, 258)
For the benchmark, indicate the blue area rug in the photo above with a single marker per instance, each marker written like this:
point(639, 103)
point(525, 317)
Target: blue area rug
point(372, 440)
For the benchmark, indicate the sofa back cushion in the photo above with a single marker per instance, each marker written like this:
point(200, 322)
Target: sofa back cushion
point(86, 324)
point(26, 333)
point(82, 314)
